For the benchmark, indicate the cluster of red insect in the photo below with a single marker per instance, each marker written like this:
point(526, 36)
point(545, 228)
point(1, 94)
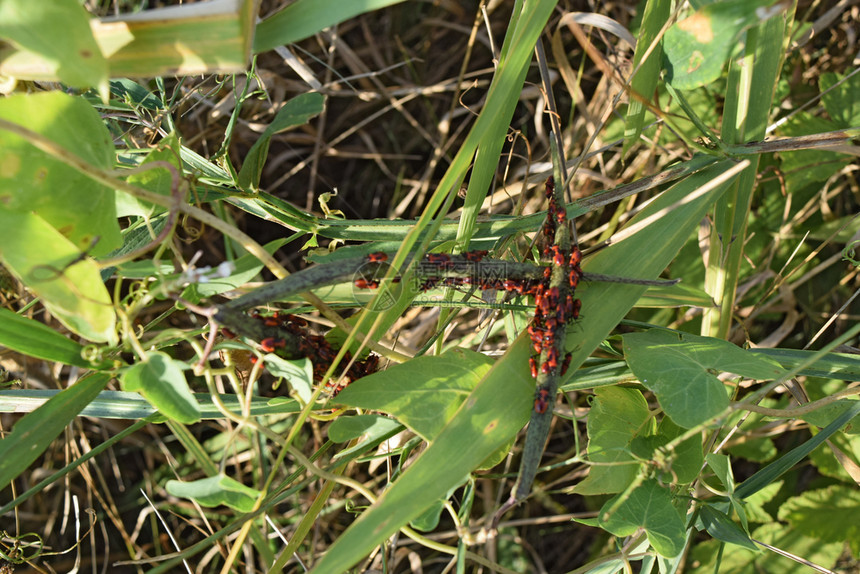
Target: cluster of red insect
point(315, 347)
point(551, 309)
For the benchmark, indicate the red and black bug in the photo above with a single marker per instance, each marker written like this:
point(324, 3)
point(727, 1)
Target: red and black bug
point(269, 344)
point(475, 256)
point(441, 259)
point(575, 256)
point(565, 364)
point(362, 283)
point(541, 401)
point(533, 367)
point(557, 256)
point(377, 257)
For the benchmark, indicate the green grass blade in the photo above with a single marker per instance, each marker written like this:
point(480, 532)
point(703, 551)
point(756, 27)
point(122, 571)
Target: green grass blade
point(35, 339)
point(307, 17)
point(645, 81)
point(774, 470)
point(32, 434)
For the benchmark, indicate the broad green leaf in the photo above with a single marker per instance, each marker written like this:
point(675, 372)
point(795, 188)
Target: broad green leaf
point(827, 514)
point(682, 465)
point(305, 18)
point(215, 491)
point(33, 181)
point(36, 339)
point(842, 102)
point(299, 374)
point(649, 507)
point(617, 415)
point(742, 561)
point(50, 266)
point(344, 429)
point(423, 393)
point(698, 46)
point(134, 95)
point(161, 381)
point(809, 168)
point(722, 528)
point(677, 368)
point(295, 112)
point(156, 179)
point(35, 431)
point(60, 32)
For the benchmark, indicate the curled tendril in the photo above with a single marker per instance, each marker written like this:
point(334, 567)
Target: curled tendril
point(16, 552)
point(848, 253)
point(92, 353)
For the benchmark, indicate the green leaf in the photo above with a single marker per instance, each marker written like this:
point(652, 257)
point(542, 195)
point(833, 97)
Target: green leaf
point(344, 429)
point(305, 18)
point(722, 528)
point(48, 264)
point(35, 339)
point(295, 112)
point(423, 393)
point(688, 392)
point(828, 514)
point(33, 181)
point(215, 491)
point(617, 415)
point(683, 464)
point(780, 466)
point(60, 32)
point(649, 507)
point(35, 431)
point(698, 46)
point(842, 102)
point(299, 374)
point(161, 381)
point(156, 179)
point(645, 80)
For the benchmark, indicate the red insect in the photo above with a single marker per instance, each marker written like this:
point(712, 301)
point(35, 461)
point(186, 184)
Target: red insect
point(565, 364)
point(296, 320)
point(476, 255)
point(228, 334)
point(273, 321)
point(577, 305)
point(440, 258)
point(557, 256)
point(575, 256)
point(547, 272)
point(545, 368)
point(541, 401)
point(561, 216)
point(269, 344)
point(569, 307)
point(362, 283)
point(550, 186)
point(377, 257)
point(573, 279)
point(552, 357)
point(533, 367)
